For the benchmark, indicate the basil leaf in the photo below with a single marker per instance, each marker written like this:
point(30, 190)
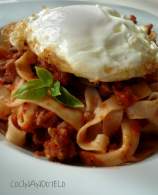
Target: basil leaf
point(55, 90)
point(38, 88)
point(44, 75)
point(32, 89)
point(19, 91)
point(68, 99)
point(33, 94)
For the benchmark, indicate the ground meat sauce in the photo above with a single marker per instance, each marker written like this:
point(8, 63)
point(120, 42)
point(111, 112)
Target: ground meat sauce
point(62, 145)
point(133, 19)
point(124, 94)
point(7, 71)
point(59, 144)
point(10, 72)
point(63, 77)
point(7, 65)
point(104, 90)
point(45, 118)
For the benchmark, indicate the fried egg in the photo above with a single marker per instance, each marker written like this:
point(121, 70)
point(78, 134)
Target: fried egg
point(90, 41)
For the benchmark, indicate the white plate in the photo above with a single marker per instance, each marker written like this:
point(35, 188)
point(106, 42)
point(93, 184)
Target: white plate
point(17, 166)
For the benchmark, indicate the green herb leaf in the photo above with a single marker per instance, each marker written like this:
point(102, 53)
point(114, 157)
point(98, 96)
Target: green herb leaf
point(68, 99)
point(55, 90)
point(38, 88)
point(44, 75)
point(33, 89)
point(33, 94)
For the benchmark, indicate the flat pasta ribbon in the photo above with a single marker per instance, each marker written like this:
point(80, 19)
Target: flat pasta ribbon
point(72, 116)
point(14, 134)
point(25, 117)
point(24, 65)
point(130, 141)
point(101, 140)
point(5, 110)
point(145, 109)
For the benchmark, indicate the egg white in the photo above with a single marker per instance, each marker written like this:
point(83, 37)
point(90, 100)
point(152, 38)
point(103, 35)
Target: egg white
point(89, 41)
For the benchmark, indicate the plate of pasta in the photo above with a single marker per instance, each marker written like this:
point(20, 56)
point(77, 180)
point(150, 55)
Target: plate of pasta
point(79, 96)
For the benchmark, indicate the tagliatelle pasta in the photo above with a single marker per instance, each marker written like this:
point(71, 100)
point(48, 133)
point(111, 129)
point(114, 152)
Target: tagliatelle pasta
point(14, 134)
point(130, 140)
point(101, 140)
point(74, 120)
point(72, 116)
point(5, 110)
point(25, 115)
point(113, 122)
point(144, 92)
point(145, 109)
point(23, 65)
point(92, 99)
